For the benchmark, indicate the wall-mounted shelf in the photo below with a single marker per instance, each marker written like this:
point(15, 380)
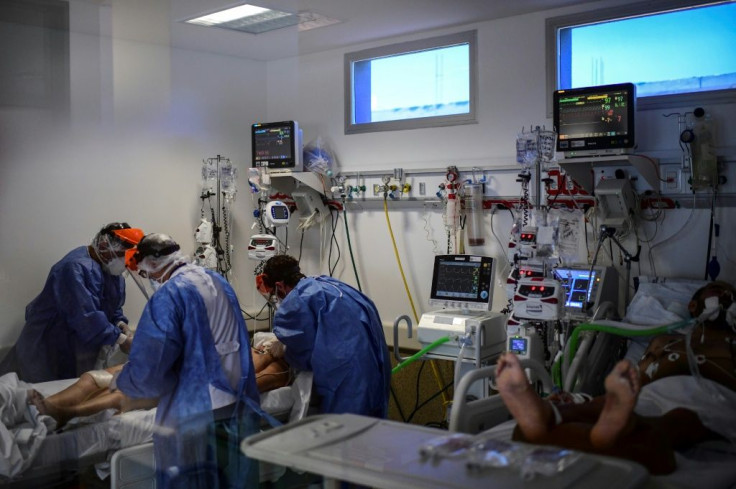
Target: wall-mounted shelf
point(306, 178)
point(581, 169)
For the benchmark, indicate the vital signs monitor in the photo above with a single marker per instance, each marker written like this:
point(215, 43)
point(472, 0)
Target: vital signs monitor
point(463, 282)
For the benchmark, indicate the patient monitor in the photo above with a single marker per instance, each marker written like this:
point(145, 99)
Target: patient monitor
point(585, 289)
point(463, 286)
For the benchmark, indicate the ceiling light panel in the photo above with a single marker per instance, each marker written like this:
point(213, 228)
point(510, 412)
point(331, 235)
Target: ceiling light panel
point(247, 18)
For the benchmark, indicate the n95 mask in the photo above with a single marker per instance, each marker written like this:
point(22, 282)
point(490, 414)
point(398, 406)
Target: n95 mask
point(115, 266)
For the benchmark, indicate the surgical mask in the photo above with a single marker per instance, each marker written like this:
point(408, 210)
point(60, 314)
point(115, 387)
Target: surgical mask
point(115, 266)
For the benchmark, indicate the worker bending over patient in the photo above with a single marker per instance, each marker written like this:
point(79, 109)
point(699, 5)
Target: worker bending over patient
point(78, 311)
point(191, 352)
point(332, 330)
point(607, 424)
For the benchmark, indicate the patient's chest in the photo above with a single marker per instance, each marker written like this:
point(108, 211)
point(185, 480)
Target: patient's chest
point(713, 351)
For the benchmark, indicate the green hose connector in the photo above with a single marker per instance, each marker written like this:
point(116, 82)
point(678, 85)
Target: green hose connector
point(621, 332)
point(421, 352)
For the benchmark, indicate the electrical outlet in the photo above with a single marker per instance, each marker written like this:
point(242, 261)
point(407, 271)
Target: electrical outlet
point(672, 180)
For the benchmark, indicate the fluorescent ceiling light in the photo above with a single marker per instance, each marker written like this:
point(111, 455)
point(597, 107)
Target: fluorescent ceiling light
point(247, 18)
point(256, 20)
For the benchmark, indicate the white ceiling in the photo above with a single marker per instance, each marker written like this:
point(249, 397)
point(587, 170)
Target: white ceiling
point(361, 21)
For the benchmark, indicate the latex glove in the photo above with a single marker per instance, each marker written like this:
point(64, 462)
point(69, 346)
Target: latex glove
point(124, 328)
point(274, 347)
point(125, 345)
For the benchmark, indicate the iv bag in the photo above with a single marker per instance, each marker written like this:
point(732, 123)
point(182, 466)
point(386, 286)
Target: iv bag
point(228, 174)
point(209, 177)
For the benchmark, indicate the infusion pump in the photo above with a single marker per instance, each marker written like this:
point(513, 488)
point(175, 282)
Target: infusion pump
point(262, 246)
point(486, 330)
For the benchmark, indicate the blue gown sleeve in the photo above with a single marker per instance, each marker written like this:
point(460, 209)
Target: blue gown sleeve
point(295, 325)
point(78, 293)
point(151, 369)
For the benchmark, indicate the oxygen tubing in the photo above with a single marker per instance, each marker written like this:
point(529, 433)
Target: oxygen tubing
point(350, 247)
point(398, 260)
point(421, 352)
point(621, 332)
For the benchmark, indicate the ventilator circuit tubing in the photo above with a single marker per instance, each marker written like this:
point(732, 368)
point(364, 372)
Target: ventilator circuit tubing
point(350, 247)
point(623, 331)
point(615, 330)
point(420, 353)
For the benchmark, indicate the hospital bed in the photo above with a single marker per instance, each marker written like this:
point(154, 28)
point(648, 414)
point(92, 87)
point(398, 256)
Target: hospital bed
point(657, 301)
point(120, 445)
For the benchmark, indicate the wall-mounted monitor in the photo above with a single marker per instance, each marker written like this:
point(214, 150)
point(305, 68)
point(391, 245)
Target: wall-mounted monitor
point(277, 145)
point(462, 282)
point(595, 121)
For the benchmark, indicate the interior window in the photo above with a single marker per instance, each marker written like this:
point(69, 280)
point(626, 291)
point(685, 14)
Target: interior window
point(409, 85)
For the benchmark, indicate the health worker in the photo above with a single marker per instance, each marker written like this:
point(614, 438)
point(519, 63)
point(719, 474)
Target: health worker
point(191, 351)
point(78, 311)
point(331, 329)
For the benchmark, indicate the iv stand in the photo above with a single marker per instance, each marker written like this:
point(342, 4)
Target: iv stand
point(609, 232)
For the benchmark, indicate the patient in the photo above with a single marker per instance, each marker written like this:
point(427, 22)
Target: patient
point(92, 394)
point(607, 424)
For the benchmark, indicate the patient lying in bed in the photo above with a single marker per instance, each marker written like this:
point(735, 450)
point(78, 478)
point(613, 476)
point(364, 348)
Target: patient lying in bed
point(92, 393)
point(608, 424)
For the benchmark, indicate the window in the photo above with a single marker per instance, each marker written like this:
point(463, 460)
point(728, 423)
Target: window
point(659, 50)
point(424, 83)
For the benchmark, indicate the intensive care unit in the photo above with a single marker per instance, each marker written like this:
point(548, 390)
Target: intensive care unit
point(549, 220)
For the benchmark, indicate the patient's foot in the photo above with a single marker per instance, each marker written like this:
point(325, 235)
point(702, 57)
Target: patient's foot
point(616, 420)
point(59, 413)
point(33, 396)
point(532, 414)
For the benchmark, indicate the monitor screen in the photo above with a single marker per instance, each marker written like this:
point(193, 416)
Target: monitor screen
point(577, 284)
point(462, 282)
point(595, 121)
point(277, 145)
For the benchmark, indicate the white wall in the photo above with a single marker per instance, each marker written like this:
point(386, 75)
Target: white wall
point(512, 95)
point(143, 116)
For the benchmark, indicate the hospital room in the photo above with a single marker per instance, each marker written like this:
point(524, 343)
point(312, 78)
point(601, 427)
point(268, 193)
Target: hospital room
point(468, 243)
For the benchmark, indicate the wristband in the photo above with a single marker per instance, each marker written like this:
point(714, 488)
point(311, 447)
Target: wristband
point(121, 339)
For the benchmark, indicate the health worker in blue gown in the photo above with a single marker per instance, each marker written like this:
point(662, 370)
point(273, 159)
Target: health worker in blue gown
point(333, 330)
point(191, 351)
point(78, 312)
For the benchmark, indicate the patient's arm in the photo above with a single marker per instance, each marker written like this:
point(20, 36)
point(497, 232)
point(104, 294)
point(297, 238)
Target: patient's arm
point(271, 373)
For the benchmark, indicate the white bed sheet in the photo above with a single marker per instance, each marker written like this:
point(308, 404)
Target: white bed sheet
point(28, 441)
point(710, 465)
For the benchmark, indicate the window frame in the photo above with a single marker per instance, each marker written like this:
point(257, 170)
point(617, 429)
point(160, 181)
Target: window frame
point(466, 37)
point(553, 24)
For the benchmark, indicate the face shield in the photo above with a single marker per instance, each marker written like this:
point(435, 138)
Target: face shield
point(271, 294)
point(154, 268)
point(110, 248)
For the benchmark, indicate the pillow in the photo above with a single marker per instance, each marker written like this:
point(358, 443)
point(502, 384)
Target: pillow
point(661, 300)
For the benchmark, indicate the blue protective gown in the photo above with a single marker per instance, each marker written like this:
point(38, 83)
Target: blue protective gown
point(74, 315)
point(175, 359)
point(335, 331)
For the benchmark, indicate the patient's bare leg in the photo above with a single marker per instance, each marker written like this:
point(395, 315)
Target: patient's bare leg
point(533, 415)
point(63, 413)
point(616, 418)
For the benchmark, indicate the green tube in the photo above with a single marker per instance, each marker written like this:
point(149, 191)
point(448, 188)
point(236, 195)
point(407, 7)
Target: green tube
point(418, 354)
point(350, 247)
point(620, 332)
